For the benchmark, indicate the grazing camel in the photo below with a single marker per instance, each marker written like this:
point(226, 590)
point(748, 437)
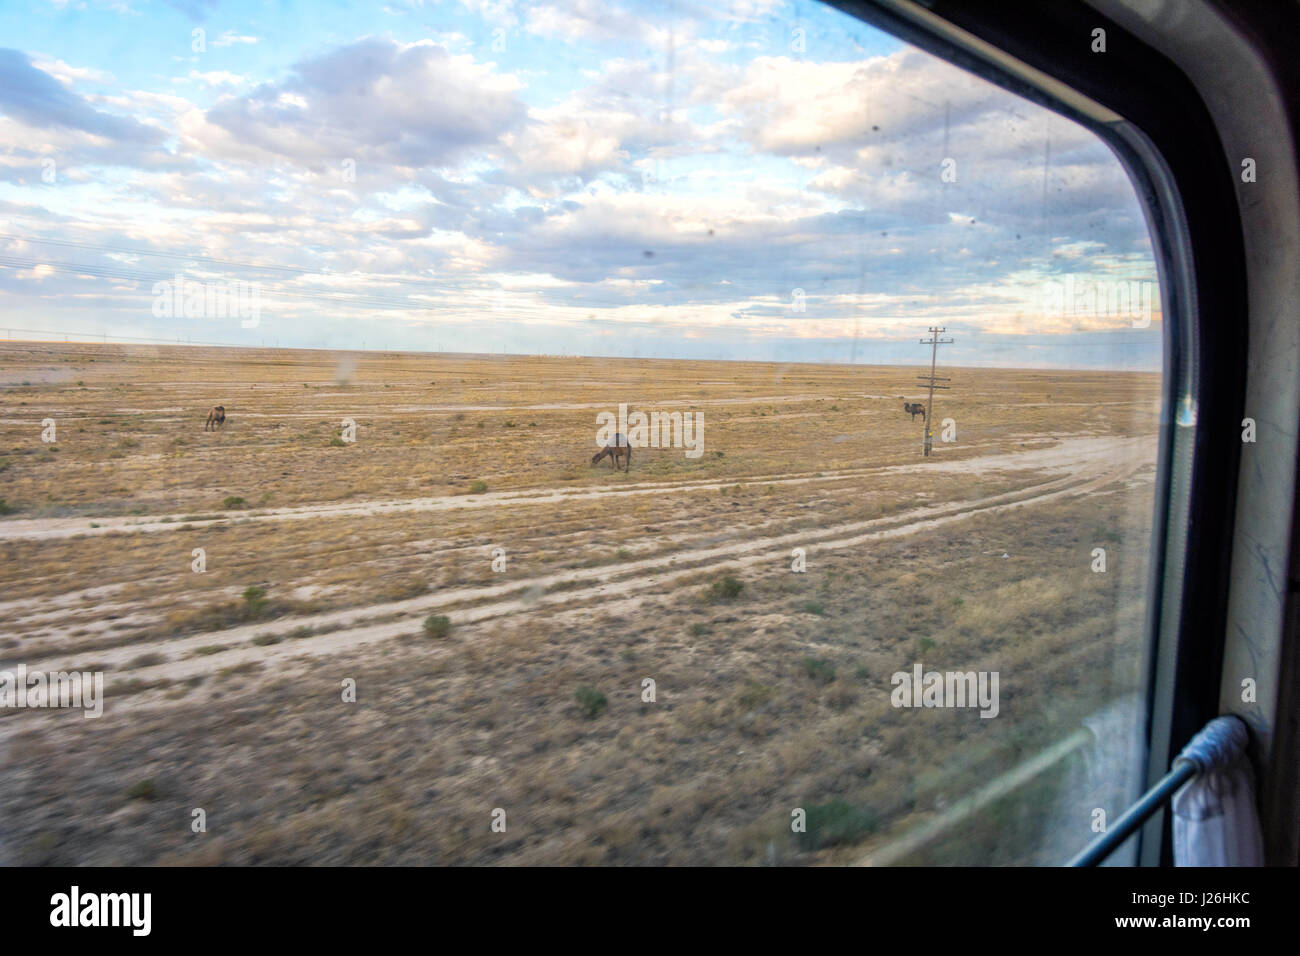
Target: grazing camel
point(618, 450)
point(216, 418)
point(914, 409)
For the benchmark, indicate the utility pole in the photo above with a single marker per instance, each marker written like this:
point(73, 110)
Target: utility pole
point(934, 342)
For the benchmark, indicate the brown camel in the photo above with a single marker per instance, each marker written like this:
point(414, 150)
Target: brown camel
point(618, 450)
point(216, 418)
point(914, 409)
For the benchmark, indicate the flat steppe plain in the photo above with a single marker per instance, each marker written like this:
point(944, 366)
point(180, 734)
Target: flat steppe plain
point(323, 559)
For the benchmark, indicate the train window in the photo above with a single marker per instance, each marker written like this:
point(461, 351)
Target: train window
point(562, 433)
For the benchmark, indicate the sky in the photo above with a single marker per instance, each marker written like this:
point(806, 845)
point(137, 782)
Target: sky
point(756, 180)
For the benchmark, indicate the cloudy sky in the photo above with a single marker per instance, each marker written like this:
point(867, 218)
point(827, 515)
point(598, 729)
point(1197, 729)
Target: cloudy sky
point(762, 180)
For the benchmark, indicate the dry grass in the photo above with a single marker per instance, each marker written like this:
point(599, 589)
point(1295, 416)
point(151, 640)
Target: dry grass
point(772, 693)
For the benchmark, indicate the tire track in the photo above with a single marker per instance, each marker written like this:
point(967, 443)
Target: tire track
point(355, 629)
point(1071, 454)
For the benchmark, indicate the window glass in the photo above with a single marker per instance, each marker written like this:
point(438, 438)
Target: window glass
point(499, 433)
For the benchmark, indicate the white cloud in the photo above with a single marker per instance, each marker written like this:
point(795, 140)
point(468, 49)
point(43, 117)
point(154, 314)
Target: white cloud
point(230, 38)
point(214, 78)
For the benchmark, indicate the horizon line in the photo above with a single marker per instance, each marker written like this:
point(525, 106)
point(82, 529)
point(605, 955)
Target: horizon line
point(141, 342)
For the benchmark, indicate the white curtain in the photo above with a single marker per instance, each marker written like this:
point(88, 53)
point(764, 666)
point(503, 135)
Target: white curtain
point(1215, 823)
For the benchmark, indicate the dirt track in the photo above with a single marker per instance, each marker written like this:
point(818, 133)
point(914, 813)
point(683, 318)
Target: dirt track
point(1070, 455)
point(1081, 466)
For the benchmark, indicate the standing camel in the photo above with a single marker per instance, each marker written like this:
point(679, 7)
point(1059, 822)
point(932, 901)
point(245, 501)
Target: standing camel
point(914, 409)
point(216, 418)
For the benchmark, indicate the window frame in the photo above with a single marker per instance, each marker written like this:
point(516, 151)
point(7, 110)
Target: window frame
point(1171, 149)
